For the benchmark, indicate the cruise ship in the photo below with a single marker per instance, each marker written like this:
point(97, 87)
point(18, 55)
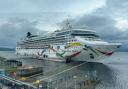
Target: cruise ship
point(67, 44)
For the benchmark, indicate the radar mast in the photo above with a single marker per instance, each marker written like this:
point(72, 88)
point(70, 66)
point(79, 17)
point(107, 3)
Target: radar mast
point(67, 25)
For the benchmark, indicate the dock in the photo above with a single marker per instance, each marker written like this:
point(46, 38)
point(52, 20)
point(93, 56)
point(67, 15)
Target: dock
point(64, 77)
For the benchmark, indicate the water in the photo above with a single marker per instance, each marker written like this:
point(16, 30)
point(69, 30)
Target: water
point(112, 72)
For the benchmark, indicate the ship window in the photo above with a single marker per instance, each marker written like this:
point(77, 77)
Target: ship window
point(58, 47)
point(44, 56)
point(63, 33)
point(94, 35)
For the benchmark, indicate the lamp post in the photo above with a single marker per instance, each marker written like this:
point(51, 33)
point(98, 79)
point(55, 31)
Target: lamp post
point(66, 84)
point(40, 86)
point(56, 87)
point(48, 85)
point(38, 83)
point(86, 76)
point(75, 77)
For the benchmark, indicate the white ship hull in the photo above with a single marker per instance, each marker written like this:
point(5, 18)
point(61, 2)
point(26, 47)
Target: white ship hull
point(98, 52)
point(91, 53)
point(65, 45)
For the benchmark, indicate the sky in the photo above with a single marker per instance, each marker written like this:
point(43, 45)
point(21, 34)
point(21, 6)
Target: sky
point(109, 18)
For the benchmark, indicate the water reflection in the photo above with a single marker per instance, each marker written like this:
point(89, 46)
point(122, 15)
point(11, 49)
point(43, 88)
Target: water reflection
point(103, 72)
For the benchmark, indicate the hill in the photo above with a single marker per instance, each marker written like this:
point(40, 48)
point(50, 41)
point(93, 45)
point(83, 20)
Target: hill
point(6, 49)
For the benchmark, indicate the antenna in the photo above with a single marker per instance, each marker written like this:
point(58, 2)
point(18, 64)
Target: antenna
point(67, 25)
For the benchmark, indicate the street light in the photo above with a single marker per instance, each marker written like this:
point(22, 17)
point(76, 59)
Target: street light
point(86, 76)
point(66, 84)
point(48, 84)
point(40, 86)
point(56, 85)
point(75, 77)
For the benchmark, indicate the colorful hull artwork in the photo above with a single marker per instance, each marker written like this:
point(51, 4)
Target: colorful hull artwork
point(64, 54)
point(67, 43)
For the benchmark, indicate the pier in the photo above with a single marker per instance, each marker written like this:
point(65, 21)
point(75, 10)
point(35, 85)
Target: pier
point(64, 77)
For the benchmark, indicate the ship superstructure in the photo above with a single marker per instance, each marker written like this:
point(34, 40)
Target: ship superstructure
point(67, 44)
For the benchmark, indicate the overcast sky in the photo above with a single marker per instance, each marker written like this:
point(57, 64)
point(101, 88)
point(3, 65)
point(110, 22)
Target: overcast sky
point(108, 17)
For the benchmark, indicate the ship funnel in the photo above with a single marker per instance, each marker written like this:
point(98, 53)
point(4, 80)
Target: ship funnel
point(29, 34)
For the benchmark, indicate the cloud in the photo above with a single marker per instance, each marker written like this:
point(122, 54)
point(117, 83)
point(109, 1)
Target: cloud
point(109, 21)
point(35, 6)
point(104, 20)
point(14, 29)
point(19, 17)
point(103, 25)
point(15, 26)
point(122, 24)
point(114, 8)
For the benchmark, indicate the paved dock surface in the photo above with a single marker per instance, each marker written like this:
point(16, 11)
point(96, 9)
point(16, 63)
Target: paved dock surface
point(59, 70)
